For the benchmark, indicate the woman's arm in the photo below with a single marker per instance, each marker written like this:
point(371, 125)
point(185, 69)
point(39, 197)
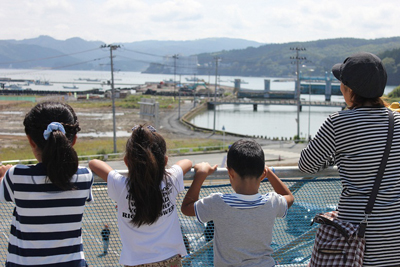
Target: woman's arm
point(280, 187)
point(100, 168)
point(320, 151)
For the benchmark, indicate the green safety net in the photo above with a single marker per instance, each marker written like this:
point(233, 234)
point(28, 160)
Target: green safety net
point(292, 237)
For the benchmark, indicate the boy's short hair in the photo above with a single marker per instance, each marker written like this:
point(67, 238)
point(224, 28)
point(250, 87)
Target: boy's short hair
point(246, 158)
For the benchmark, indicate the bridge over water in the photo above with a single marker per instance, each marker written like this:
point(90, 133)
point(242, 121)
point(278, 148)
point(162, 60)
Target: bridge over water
point(308, 85)
point(289, 102)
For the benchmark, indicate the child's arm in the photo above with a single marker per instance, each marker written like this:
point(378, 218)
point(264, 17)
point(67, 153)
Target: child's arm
point(202, 170)
point(279, 187)
point(185, 164)
point(3, 170)
point(100, 168)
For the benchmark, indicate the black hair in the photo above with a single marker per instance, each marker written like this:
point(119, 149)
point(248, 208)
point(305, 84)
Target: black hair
point(58, 155)
point(246, 158)
point(145, 158)
point(359, 101)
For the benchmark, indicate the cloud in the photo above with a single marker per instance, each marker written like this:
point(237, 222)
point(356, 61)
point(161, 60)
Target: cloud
point(260, 20)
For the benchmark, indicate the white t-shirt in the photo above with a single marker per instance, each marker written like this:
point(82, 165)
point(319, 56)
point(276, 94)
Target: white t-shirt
point(149, 243)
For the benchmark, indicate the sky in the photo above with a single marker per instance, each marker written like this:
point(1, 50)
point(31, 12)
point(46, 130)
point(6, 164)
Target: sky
point(264, 21)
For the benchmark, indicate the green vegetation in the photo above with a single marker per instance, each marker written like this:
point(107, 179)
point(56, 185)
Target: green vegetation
point(132, 101)
point(391, 60)
point(393, 96)
point(395, 92)
point(20, 149)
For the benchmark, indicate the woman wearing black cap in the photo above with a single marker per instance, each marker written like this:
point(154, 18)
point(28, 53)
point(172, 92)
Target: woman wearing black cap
point(356, 139)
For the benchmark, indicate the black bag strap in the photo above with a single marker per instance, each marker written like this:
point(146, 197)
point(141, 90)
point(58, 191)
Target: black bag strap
point(378, 180)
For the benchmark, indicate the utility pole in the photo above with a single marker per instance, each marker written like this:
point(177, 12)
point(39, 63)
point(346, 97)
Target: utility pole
point(175, 57)
point(113, 47)
point(179, 93)
point(194, 89)
point(298, 59)
point(215, 93)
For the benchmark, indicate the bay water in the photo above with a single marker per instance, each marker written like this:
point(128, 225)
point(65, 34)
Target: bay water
point(268, 121)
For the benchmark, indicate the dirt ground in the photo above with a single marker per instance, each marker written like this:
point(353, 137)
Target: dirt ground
point(90, 120)
point(93, 122)
point(100, 120)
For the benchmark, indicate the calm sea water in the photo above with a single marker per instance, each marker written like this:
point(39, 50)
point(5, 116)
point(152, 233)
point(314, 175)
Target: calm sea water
point(270, 121)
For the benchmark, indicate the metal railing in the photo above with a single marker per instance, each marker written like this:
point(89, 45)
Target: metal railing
point(108, 156)
point(281, 172)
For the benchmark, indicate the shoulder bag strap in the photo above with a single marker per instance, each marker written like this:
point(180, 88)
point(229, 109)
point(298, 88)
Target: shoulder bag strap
point(379, 176)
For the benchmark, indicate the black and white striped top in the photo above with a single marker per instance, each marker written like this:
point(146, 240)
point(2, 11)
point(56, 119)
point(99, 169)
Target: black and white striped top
point(356, 140)
point(46, 229)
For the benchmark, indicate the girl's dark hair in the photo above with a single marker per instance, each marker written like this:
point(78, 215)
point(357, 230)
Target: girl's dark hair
point(58, 155)
point(145, 158)
point(359, 101)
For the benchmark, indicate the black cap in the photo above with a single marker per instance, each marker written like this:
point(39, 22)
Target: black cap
point(364, 73)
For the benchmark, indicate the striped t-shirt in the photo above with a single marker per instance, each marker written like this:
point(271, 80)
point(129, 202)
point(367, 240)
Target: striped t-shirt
point(245, 201)
point(46, 228)
point(356, 140)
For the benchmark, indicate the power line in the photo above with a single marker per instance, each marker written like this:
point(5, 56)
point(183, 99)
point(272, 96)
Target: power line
point(143, 53)
point(55, 68)
point(45, 58)
point(75, 64)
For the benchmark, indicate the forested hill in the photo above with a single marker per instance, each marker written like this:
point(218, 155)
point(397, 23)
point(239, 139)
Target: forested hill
point(78, 54)
point(391, 60)
point(274, 60)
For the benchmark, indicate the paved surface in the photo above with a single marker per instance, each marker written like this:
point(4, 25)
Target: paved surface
point(277, 153)
point(171, 125)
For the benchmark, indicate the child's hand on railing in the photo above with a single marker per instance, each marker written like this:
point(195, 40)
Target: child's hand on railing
point(204, 169)
point(201, 171)
point(3, 170)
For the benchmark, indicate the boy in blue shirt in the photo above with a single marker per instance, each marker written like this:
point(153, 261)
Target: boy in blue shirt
point(243, 220)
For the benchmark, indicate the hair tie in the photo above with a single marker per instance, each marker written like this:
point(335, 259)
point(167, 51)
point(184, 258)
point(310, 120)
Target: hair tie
point(151, 128)
point(54, 126)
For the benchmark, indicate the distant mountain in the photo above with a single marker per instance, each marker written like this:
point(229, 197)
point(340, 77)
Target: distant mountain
point(76, 53)
point(194, 47)
point(26, 56)
point(276, 60)
point(238, 57)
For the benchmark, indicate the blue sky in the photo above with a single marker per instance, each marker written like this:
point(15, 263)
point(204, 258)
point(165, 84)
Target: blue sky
point(266, 21)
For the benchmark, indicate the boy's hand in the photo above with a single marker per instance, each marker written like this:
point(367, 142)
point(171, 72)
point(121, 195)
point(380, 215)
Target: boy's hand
point(204, 168)
point(279, 186)
point(201, 171)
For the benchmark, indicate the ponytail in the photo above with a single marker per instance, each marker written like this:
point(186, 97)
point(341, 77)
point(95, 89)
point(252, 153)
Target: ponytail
point(53, 127)
point(145, 154)
point(60, 159)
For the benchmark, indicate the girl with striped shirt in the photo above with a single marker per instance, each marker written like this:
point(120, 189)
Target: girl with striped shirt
point(50, 196)
point(356, 139)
